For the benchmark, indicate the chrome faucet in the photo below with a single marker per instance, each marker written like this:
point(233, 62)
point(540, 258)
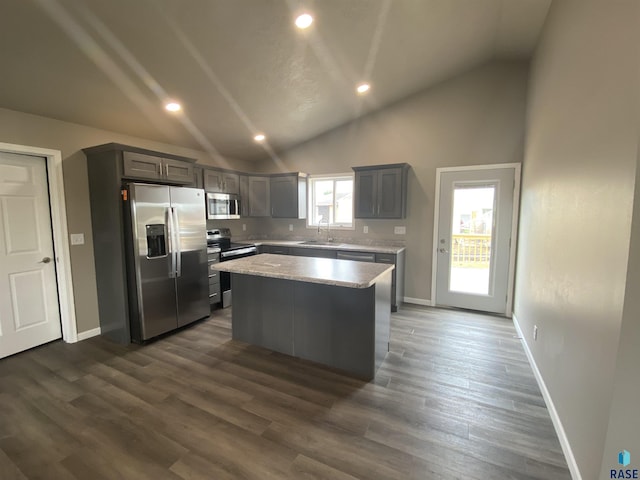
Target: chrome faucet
point(328, 228)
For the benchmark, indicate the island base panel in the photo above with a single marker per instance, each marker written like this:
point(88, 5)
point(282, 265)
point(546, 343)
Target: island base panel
point(262, 312)
point(344, 328)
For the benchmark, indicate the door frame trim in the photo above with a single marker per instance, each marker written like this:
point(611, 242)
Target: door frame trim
point(60, 231)
point(514, 227)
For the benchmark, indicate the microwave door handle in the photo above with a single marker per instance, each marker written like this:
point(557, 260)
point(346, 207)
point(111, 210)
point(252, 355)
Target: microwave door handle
point(237, 210)
point(170, 243)
point(178, 249)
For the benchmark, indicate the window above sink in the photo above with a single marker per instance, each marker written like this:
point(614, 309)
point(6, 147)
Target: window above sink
point(330, 202)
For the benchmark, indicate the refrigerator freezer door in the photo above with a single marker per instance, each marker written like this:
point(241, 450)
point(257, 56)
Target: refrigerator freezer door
point(153, 304)
point(192, 279)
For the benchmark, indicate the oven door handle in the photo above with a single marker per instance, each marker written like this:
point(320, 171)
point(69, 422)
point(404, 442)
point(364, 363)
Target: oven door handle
point(230, 254)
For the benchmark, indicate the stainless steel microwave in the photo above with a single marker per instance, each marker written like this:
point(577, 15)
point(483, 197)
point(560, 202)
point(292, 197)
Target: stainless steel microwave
point(223, 206)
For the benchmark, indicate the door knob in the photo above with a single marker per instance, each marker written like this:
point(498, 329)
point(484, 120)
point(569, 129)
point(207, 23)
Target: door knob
point(45, 260)
point(443, 250)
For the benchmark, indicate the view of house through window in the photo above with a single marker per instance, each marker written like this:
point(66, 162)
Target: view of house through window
point(331, 201)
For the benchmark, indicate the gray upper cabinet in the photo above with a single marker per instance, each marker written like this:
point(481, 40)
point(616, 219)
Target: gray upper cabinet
point(142, 166)
point(381, 191)
point(198, 181)
point(254, 196)
point(289, 195)
point(176, 171)
point(220, 181)
point(259, 197)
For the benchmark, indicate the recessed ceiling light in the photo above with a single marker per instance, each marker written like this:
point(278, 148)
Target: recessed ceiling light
point(259, 137)
point(304, 21)
point(173, 107)
point(363, 88)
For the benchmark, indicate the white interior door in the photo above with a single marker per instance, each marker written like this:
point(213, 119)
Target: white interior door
point(29, 312)
point(473, 242)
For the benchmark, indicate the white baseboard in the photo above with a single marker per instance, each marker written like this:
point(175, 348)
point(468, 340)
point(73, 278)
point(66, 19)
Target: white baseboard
point(88, 334)
point(418, 301)
point(555, 418)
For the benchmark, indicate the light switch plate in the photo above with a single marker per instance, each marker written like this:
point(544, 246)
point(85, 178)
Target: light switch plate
point(77, 239)
point(400, 230)
point(244, 227)
point(290, 228)
point(365, 229)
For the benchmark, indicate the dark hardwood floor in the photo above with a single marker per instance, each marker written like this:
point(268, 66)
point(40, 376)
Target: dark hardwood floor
point(455, 398)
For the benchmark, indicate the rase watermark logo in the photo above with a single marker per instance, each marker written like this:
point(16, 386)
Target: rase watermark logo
point(624, 459)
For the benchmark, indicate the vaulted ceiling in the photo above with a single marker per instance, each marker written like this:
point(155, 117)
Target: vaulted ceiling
point(241, 66)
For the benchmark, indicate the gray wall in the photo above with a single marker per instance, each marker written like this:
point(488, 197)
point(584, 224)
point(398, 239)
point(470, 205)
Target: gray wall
point(23, 129)
point(577, 200)
point(624, 418)
point(476, 118)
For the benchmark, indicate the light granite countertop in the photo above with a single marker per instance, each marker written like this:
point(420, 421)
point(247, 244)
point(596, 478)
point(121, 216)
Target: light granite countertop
point(327, 271)
point(337, 245)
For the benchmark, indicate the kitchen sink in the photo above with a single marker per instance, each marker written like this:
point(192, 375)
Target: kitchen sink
point(317, 242)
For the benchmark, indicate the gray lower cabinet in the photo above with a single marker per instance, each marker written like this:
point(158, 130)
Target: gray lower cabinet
point(143, 166)
point(215, 295)
point(344, 328)
point(312, 252)
point(397, 276)
point(274, 249)
point(288, 195)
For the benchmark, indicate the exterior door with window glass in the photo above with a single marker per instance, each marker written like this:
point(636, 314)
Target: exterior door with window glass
point(473, 242)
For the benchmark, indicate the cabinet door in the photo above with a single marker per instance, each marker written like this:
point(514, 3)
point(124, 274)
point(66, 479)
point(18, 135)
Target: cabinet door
point(243, 186)
point(284, 197)
point(312, 252)
point(259, 200)
point(389, 193)
point(212, 180)
point(230, 183)
point(366, 187)
point(198, 181)
point(139, 165)
point(177, 171)
point(277, 249)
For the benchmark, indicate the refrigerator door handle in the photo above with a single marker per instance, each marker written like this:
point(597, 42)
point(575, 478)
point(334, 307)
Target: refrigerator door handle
point(172, 248)
point(178, 248)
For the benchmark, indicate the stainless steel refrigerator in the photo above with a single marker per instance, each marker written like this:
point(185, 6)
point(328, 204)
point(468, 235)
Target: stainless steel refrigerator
point(166, 258)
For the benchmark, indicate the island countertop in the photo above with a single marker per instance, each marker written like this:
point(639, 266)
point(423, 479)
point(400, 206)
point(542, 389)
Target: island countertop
point(327, 271)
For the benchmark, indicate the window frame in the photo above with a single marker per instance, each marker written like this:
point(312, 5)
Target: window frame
point(311, 179)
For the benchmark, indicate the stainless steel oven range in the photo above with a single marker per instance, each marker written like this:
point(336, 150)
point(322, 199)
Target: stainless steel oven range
point(221, 238)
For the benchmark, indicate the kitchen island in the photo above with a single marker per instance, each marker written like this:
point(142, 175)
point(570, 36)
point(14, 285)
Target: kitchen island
point(334, 312)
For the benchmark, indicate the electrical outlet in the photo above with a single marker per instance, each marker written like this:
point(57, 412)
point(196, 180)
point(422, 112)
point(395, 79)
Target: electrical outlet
point(290, 228)
point(400, 230)
point(77, 239)
point(535, 332)
point(365, 229)
point(244, 227)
